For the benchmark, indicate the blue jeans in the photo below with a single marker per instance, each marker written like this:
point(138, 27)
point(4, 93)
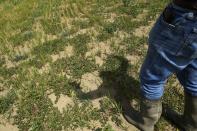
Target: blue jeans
point(172, 49)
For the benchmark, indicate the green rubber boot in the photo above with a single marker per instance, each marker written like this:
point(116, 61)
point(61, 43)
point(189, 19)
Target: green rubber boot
point(150, 112)
point(187, 121)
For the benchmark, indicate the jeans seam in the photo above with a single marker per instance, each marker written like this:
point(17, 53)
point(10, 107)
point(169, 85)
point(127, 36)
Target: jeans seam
point(184, 43)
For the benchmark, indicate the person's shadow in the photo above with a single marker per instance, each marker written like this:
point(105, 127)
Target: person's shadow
point(116, 83)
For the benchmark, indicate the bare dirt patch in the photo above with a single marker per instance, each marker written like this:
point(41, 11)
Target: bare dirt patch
point(62, 102)
point(68, 52)
point(96, 102)
point(44, 69)
point(3, 92)
point(24, 49)
point(143, 31)
point(38, 28)
point(110, 17)
point(9, 63)
point(89, 31)
point(105, 48)
point(98, 47)
point(83, 129)
point(141, 16)
point(7, 126)
point(116, 41)
point(90, 81)
point(133, 59)
point(120, 35)
point(99, 61)
point(51, 37)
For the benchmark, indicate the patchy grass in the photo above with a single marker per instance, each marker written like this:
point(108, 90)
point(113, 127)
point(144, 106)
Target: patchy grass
point(33, 32)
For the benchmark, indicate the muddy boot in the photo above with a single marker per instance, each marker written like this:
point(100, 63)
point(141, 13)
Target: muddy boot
point(187, 121)
point(150, 112)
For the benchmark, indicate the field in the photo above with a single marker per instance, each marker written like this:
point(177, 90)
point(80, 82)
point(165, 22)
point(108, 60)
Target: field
point(64, 63)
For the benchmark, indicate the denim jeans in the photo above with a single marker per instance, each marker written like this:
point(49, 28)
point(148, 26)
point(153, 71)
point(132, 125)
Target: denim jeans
point(172, 50)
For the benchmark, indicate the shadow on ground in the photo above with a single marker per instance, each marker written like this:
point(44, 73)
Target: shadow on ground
point(116, 83)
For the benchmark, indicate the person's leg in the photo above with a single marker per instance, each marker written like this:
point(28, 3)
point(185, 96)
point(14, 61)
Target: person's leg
point(168, 52)
point(154, 72)
point(153, 75)
point(188, 78)
point(157, 67)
